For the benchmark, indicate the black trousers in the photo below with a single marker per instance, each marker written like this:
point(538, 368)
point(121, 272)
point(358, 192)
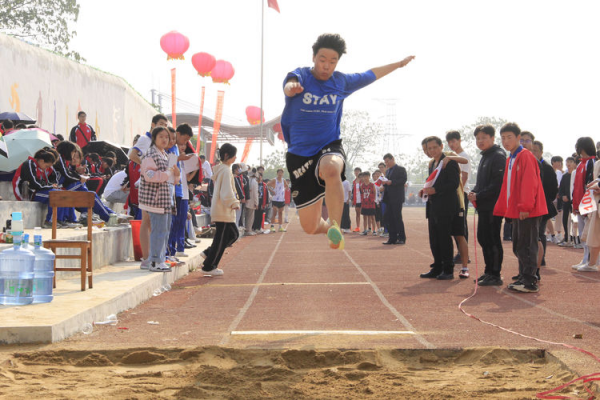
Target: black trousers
point(525, 236)
point(542, 232)
point(393, 217)
point(440, 242)
point(258, 216)
point(488, 235)
point(346, 223)
point(567, 208)
point(507, 229)
point(227, 233)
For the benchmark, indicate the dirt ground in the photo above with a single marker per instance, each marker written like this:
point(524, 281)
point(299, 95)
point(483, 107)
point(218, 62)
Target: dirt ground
point(222, 373)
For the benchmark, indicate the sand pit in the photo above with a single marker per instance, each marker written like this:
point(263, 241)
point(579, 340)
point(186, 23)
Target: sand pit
point(222, 373)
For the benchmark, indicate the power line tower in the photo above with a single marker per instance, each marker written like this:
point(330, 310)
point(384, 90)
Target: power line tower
point(392, 135)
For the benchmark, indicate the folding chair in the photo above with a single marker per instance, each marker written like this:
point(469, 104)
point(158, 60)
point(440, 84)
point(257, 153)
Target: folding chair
point(65, 198)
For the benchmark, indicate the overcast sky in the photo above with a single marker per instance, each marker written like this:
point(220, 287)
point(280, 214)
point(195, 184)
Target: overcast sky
point(532, 62)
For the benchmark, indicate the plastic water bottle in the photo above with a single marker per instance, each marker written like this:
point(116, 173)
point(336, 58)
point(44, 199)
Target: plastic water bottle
point(16, 274)
point(43, 270)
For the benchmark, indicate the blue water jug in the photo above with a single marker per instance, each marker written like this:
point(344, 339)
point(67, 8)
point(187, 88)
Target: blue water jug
point(16, 275)
point(43, 271)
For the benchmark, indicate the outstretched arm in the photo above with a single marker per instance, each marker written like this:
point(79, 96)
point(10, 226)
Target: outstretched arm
point(380, 72)
point(292, 87)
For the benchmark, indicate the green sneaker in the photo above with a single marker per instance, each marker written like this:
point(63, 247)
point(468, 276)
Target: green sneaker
point(335, 237)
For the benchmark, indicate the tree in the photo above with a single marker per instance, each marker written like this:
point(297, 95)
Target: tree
point(44, 22)
point(360, 136)
point(273, 162)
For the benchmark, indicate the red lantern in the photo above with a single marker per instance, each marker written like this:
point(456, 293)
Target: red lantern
point(253, 115)
point(222, 72)
point(174, 44)
point(204, 63)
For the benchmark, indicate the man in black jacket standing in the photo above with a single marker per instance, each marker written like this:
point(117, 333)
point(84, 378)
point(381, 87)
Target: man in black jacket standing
point(442, 206)
point(393, 197)
point(490, 174)
point(550, 185)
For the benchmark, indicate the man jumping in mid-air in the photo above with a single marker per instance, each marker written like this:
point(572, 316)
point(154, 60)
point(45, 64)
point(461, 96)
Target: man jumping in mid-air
point(311, 127)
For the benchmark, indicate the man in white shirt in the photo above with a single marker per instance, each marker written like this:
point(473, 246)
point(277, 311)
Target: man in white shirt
point(557, 164)
point(454, 142)
point(115, 191)
point(346, 223)
point(206, 169)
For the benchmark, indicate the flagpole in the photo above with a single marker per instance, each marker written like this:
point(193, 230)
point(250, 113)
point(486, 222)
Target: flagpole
point(262, 54)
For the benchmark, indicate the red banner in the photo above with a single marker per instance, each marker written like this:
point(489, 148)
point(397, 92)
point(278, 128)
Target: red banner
point(246, 150)
point(173, 99)
point(217, 124)
point(273, 4)
point(200, 121)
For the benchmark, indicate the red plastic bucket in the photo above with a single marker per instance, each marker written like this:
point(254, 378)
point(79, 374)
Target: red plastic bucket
point(135, 234)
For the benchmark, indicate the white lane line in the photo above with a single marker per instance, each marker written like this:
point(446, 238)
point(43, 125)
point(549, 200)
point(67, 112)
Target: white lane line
point(396, 313)
point(365, 333)
point(253, 294)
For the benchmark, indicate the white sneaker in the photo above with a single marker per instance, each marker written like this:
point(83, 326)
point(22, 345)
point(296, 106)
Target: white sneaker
point(577, 266)
point(214, 272)
point(578, 246)
point(162, 267)
point(181, 254)
point(197, 240)
point(145, 264)
point(588, 268)
point(250, 233)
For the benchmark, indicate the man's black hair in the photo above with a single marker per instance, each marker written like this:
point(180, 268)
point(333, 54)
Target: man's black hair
point(94, 157)
point(538, 144)
point(570, 159)
point(585, 144)
point(7, 124)
point(185, 129)
point(108, 161)
point(202, 157)
point(280, 169)
point(80, 113)
point(358, 168)
point(434, 139)
point(487, 129)
point(425, 140)
point(235, 167)
point(60, 137)
point(158, 117)
point(380, 164)
point(511, 127)
point(260, 167)
point(388, 156)
point(229, 149)
point(331, 41)
point(452, 135)
point(556, 159)
point(528, 134)
point(20, 126)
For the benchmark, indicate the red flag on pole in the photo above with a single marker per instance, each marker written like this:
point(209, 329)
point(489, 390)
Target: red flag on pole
point(173, 98)
point(273, 4)
point(200, 121)
point(217, 124)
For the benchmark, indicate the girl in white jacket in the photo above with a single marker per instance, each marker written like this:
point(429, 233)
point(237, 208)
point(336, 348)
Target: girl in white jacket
point(222, 211)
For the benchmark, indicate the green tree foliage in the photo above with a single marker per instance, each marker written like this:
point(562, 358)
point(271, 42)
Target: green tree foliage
point(273, 162)
point(44, 22)
point(360, 136)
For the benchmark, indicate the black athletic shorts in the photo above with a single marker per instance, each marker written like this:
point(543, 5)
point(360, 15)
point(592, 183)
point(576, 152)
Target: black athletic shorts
point(378, 216)
point(458, 224)
point(307, 187)
point(367, 211)
point(278, 204)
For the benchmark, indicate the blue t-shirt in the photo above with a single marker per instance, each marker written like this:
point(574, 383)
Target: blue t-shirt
point(178, 189)
point(311, 119)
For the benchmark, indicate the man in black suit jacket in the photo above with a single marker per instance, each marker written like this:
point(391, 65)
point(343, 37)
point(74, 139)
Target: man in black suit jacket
point(442, 206)
point(393, 197)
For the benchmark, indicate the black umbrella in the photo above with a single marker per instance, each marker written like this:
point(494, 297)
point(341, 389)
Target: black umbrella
point(17, 117)
point(102, 147)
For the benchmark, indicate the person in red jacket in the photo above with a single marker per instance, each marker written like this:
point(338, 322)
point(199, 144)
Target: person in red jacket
point(522, 199)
